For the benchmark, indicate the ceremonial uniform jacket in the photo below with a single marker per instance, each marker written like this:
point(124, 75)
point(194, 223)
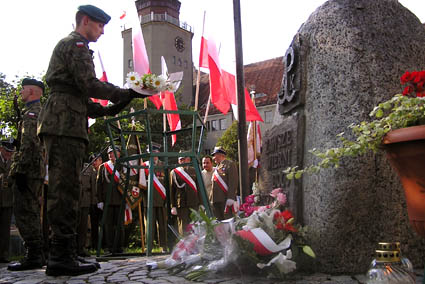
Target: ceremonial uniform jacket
point(102, 186)
point(229, 173)
point(88, 187)
point(28, 160)
point(6, 195)
point(157, 199)
point(182, 195)
point(72, 80)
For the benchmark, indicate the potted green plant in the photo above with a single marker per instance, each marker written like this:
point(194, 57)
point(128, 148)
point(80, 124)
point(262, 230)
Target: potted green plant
point(397, 127)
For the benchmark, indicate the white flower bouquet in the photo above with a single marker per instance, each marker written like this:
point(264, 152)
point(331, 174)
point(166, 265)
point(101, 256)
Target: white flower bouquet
point(151, 83)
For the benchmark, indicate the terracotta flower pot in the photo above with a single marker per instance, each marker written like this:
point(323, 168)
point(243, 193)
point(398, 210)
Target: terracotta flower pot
point(405, 149)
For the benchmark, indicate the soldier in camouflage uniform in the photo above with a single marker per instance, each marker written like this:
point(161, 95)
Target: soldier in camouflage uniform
point(6, 200)
point(27, 171)
point(63, 128)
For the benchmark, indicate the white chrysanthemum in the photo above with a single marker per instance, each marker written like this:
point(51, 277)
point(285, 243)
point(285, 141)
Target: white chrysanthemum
point(159, 83)
point(133, 79)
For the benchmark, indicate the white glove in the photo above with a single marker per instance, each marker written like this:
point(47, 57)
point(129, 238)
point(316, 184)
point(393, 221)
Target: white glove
point(100, 205)
point(174, 211)
point(229, 202)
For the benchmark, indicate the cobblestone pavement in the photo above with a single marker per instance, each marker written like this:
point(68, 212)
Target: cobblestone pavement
point(134, 270)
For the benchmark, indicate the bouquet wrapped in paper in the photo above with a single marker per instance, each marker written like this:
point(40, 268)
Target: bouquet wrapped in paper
point(260, 239)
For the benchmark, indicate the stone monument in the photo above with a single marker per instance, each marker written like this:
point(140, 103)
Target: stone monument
point(347, 57)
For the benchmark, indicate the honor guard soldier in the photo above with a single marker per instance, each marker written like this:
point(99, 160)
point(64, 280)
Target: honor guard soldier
point(184, 193)
point(63, 124)
point(225, 185)
point(28, 171)
point(6, 199)
point(104, 181)
point(159, 214)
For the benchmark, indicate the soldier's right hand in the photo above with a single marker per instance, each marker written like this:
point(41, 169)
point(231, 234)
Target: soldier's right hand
point(135, 94)
point(174, 211)
point(100, 205)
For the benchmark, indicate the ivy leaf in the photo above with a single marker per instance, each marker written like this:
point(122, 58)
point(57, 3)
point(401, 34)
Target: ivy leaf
point(308, 251)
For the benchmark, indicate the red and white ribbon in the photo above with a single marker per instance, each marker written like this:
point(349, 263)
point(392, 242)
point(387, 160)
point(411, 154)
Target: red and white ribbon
point(128, 215)
point(156, 183)
point(187, 178)
point(221, 183)
point(109, 166)
point(263, 244)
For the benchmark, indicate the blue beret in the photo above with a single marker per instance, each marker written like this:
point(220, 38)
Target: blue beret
point(32, 82)
point(95, 13)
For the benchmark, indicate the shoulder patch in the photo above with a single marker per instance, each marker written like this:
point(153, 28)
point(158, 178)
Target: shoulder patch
point(79, 44)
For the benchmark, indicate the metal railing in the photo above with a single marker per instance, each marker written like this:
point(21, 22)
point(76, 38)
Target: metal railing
point(165, 18)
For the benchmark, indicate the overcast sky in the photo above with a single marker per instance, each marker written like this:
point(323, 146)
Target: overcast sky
point(31, 29)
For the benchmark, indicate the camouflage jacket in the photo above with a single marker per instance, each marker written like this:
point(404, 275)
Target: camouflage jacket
point(29, 159)
point(6, 195)
point(72, 80)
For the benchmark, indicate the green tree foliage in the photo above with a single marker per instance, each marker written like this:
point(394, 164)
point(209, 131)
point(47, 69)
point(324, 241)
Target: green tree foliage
point(229, 141)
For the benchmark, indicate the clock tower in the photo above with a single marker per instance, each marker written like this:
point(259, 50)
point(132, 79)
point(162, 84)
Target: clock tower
point(164, 35)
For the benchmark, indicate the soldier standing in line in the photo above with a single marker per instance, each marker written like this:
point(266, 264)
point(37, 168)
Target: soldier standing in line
point(28, 171)
point(6, 199)
point(95, 212)
point(87, 197)
point(103, 182)
point(225, 185)
point(159, 214)
point(63, 124)
point(184, 193)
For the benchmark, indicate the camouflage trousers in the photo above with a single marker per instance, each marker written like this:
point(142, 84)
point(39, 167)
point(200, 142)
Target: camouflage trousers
point(26, 207)
point(65, 160)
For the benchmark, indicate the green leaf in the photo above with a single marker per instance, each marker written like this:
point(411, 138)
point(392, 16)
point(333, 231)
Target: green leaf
point(379, 113)
point(308, 251)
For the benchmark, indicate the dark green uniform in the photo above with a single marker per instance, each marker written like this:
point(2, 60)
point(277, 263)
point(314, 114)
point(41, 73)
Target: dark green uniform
point(183, 197)
point(63, 128)
point(87, 197)
point(28, 172)
point(112, 213)
point(6, 199)
point(229, 173)
point(159, 214)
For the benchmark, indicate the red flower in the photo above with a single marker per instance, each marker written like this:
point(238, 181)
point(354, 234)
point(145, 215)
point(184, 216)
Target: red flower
point(287, 215)
point(289, 227)
point(406, 77)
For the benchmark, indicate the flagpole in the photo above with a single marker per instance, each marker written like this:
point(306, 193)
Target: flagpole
point(198, 79)
point(255, 140)
point(242, 141)
point(141, 171)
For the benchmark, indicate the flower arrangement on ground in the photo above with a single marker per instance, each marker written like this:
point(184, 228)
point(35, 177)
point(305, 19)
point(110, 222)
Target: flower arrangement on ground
point(151, 82)
point(261, 239)
point(402, 110)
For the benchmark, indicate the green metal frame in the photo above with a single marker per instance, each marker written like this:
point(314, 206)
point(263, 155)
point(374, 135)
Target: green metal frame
point(115, 133)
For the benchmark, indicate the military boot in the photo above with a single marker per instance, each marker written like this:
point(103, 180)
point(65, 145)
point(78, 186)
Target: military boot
point(62, 262)
point(81, 258)
point(34, 258)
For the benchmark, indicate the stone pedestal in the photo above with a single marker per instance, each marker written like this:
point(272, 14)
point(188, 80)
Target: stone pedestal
point(346, 58)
